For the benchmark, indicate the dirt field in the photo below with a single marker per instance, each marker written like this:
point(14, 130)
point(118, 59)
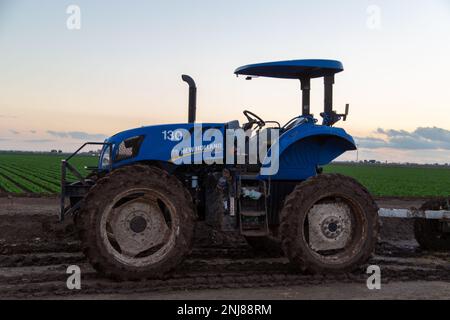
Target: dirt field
point(35, 251)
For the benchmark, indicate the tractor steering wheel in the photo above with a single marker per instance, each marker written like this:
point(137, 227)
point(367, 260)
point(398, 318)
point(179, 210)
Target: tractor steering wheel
point(252, 119)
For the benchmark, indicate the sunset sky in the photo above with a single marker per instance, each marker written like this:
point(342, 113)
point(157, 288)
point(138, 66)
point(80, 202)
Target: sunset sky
point(121, 69)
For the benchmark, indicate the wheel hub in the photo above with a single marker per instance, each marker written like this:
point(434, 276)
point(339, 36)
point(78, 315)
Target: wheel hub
point(332, 227)
point(329, 226)
point(138, 224)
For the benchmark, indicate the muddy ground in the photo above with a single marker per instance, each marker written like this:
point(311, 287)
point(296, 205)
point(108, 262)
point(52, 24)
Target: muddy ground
point(35, 250)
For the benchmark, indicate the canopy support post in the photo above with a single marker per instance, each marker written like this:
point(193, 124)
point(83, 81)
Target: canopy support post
point(305, 87)
point(328, 96)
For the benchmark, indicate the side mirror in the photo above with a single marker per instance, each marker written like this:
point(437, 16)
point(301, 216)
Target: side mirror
point(330, 119)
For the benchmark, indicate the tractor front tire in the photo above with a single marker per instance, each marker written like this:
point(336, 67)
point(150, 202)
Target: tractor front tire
point(429, 233)
point(329, 224)
point(136, 223)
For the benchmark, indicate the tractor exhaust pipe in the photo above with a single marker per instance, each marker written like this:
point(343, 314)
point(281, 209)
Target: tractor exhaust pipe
point(192, 97)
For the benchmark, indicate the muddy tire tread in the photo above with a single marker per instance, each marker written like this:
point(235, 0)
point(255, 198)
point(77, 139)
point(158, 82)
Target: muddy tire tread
point(295, 203)
point(102, 192)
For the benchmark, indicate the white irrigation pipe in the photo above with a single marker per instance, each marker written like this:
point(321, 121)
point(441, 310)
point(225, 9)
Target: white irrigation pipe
point(414, 213)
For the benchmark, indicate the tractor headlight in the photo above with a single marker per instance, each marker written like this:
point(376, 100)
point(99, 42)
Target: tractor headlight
point(128, 148)
point(106, 160)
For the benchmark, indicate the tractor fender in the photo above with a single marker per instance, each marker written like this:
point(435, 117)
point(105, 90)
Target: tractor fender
point(302, 149)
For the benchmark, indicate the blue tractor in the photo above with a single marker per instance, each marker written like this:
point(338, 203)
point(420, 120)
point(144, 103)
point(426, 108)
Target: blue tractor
point(137, 210)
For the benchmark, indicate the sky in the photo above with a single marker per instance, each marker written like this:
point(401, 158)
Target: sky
point(121, 69)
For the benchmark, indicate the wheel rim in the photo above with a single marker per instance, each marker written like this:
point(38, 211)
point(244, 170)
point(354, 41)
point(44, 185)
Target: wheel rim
point(139, 226)
point(334, 229)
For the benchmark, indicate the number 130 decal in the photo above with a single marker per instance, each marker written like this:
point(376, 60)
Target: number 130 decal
point(172, 135)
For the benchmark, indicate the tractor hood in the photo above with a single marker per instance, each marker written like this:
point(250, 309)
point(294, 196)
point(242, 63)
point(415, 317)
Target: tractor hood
point(153, 143)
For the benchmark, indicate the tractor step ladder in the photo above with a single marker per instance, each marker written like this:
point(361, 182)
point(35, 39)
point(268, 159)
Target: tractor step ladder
point(252, 199)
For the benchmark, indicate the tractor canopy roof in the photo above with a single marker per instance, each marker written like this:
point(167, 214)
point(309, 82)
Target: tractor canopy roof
point(292, 69)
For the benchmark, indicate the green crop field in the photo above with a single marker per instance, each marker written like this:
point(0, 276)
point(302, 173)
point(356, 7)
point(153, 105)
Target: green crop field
point(40, 173)
point(398, 180)
point(36, 173)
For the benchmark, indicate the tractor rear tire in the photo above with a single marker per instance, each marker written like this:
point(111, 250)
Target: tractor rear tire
point(428, 233)
point(136, 223)
point(339, 212)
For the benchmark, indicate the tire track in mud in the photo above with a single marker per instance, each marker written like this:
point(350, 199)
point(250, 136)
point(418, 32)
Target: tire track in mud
point(42, 252)
point(26, 275)
point(57, 286)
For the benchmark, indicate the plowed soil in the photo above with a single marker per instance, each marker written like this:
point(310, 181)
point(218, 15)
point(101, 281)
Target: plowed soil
point(36, 249)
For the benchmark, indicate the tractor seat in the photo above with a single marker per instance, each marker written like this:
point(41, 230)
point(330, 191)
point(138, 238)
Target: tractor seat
point(232, 125)
point(265, 136)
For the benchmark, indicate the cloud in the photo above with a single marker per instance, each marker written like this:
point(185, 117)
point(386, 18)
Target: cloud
point(434, 133)
point(429, 138)
point(371, 143)
point(78, 135)
point(38, 140)
point(58, 134)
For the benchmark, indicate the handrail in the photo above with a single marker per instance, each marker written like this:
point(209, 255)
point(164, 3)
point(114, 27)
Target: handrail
point(66, 165)
point(85, 144)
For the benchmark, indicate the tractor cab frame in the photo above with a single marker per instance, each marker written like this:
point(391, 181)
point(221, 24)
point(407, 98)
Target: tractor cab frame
point(304, 71)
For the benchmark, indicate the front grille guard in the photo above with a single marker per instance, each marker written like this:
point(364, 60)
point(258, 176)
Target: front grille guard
point(81, 187)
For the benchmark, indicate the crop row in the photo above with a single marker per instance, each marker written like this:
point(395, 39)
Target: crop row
point(7, 185)
point(37, 173)
point(35, 178)
point(22, 182)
